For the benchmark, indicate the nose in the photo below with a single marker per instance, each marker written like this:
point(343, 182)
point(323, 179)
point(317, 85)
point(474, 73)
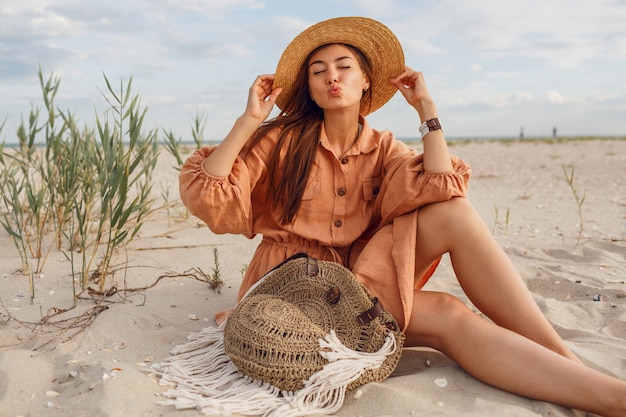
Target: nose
point(332, 77)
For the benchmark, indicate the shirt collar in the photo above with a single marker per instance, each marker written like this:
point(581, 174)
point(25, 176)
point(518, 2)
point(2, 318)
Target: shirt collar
point(366, 142)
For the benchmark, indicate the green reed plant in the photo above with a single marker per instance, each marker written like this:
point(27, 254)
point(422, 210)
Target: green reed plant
point(13, 218)
point(32, 174)
point(90, 188)
point(42, 184)
point(173, 144)
point(216, 283)
point(127, 158)
point(27, 195)
point(74, 173)
point(12, 214)
point(496, 221)
point(37, 196)
point(578, 197)
point(77, 193)
point(243, 270)
point(197, 130)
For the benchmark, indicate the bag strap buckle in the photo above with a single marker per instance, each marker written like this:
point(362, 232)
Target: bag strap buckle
point(368, 316)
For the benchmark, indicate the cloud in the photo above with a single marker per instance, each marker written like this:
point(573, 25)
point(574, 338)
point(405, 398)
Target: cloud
point(119, 38)
point(503, 74)
point(375, 7)
point(202, 55)
point(212, 7)
point(557, 31)
point(554, 97)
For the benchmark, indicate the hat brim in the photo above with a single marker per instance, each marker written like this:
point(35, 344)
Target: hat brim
point(372, 38)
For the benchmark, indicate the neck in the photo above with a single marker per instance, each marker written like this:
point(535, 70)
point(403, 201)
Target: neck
point(341, 130)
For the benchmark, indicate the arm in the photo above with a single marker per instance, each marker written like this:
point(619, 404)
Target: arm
point(261, 99)
point(413, 87)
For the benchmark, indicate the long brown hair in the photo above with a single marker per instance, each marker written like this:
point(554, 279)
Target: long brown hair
point(300, 124)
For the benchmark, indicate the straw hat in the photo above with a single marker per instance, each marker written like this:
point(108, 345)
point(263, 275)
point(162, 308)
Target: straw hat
point(379, 45)
point(275, 333)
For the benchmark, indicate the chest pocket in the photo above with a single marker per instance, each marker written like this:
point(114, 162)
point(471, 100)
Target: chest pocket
point(312, 189)
point(314, 183)
point(371, 188)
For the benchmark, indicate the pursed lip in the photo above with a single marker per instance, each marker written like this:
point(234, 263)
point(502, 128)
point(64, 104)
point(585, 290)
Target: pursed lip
point(334, 90)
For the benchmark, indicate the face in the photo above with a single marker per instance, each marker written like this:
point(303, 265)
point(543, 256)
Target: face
point(336, 81)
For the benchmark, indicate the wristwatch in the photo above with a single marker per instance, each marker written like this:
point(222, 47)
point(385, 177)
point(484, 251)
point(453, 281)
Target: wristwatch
point(428, 126)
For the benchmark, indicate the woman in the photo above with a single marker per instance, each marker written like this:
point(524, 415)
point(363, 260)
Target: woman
point(319, 179)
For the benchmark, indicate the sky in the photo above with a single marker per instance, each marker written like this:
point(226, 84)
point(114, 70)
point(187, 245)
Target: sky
point(492, 67)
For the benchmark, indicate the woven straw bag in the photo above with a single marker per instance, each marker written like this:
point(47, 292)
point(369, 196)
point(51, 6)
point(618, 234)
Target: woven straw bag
point(283, 330)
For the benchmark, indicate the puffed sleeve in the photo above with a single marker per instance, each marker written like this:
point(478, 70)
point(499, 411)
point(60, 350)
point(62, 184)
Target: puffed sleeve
point(407, 186)
point(223, 203)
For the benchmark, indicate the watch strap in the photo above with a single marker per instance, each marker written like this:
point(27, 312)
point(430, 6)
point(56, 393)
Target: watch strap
point(429, 125)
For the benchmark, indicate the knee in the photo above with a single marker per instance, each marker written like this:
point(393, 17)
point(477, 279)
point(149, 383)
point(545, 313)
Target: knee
point(435, 318)
point(448, 222)
point(457, 208)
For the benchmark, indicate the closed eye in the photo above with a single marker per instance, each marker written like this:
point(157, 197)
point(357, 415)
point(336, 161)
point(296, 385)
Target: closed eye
point(317, 72)
point(341, 63)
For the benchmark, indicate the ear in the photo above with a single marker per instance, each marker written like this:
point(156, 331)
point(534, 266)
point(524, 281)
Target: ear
point(366, 84)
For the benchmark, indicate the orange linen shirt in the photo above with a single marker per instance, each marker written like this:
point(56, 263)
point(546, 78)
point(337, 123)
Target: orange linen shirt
point(379, 183)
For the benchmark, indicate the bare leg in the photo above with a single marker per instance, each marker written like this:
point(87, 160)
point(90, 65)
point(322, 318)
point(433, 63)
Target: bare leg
point(485, 273)
point(507, 360)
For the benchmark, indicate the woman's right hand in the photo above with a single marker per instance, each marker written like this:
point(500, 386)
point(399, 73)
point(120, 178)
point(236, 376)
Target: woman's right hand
point(262, 97)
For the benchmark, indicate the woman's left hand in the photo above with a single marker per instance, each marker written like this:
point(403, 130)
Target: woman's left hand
point(413, 87)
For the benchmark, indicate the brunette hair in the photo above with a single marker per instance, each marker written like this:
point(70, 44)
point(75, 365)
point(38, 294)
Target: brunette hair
point(300, 123)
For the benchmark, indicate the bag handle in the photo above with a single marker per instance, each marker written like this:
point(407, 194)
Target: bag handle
point(368, 316)
point(364, 318)
point(312, 268)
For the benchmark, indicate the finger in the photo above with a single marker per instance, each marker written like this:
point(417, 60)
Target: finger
point(408, 72)
point(266, 80)
point(403, 83)
point(263, 79)
point(262, 86)
point(408, 79)
point(274, 95)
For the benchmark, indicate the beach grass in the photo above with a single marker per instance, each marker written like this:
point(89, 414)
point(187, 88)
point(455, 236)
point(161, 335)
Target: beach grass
point(579, 197)
point(86, 191)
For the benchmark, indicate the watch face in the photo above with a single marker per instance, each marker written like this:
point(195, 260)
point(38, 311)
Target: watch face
point(433, 124)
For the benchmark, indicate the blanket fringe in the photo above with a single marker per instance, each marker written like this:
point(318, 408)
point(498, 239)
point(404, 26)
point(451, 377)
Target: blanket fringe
point(206, 379)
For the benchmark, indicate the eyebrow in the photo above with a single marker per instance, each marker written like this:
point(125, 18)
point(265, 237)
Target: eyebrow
point(319, 61)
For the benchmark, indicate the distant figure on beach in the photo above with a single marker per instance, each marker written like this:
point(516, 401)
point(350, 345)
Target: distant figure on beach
point(554, 132)
point(521, 132)
point(319, 179)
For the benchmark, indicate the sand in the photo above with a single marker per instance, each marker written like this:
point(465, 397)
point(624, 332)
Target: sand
point(95, 359)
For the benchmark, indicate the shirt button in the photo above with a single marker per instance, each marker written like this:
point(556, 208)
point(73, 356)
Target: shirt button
point(344, 160)
point(341, 192)
point(338, 223)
